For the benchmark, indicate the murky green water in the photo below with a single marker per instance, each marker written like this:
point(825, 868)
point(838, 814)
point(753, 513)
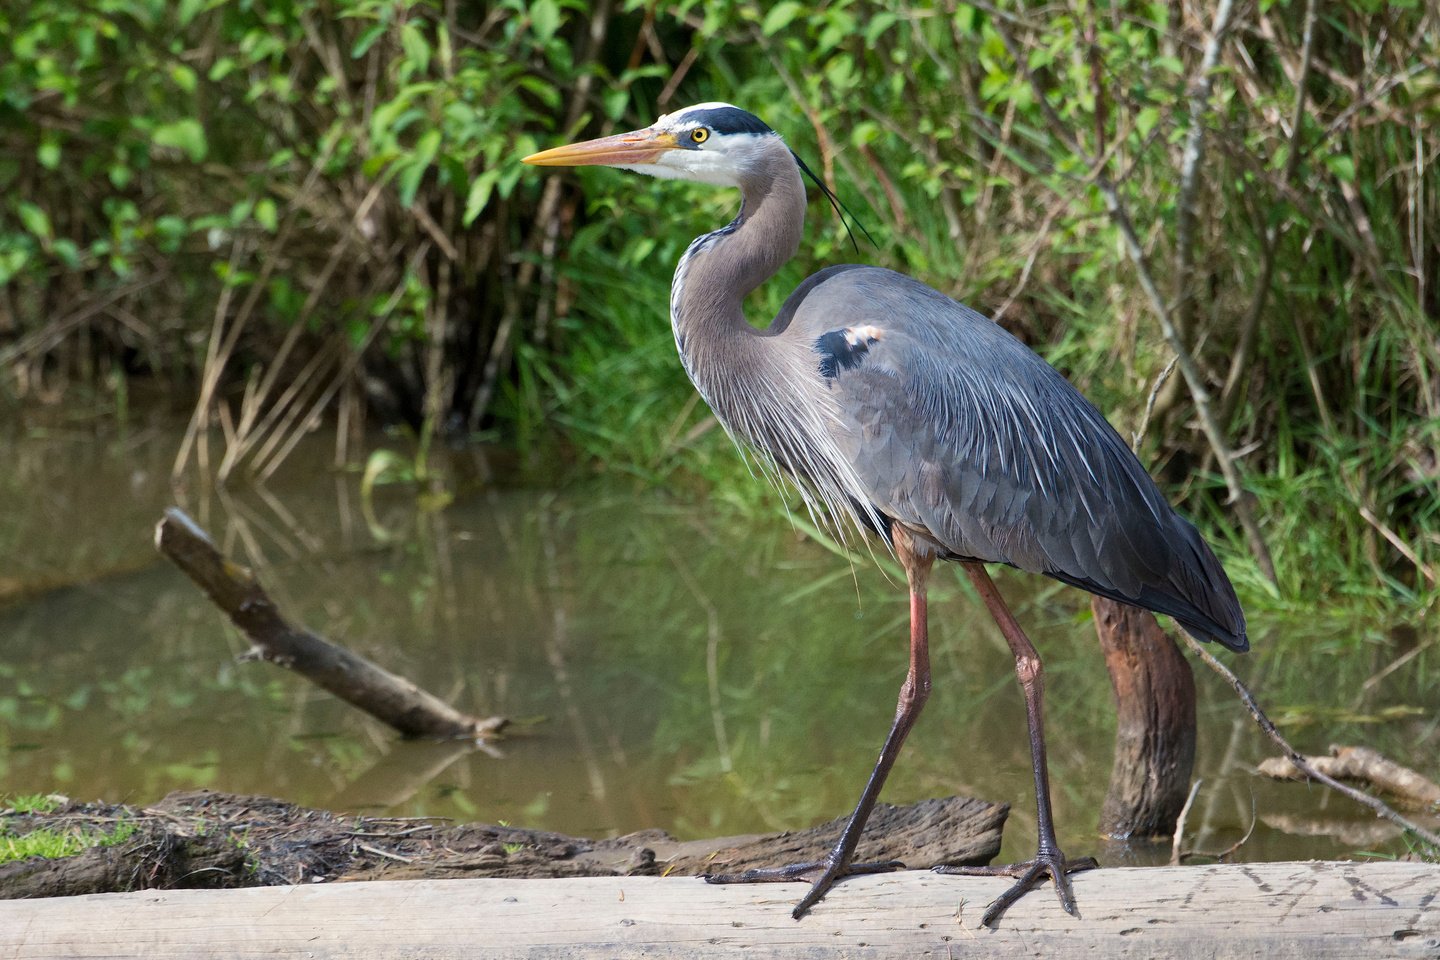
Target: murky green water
point(675, 670)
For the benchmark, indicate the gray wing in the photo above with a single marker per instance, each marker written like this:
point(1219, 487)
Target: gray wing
point(961, 432)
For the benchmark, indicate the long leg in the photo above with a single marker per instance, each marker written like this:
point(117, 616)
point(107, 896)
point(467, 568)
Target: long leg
point(1048, 858)
point(913, 694)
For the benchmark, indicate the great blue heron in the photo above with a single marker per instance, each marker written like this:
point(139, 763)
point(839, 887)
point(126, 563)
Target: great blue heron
point(897, 408)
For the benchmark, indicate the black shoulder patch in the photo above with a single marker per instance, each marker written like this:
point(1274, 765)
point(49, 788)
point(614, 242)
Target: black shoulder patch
point(728, 120)
point(844, 349)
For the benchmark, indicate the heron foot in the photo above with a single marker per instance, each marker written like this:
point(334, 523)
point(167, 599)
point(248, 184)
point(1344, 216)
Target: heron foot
point(1030, 873)
point(821, 874)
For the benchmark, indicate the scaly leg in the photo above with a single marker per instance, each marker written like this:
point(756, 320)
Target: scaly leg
point(913, 693)
point(1048, 858)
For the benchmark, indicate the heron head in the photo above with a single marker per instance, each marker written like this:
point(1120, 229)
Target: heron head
point(708, 143)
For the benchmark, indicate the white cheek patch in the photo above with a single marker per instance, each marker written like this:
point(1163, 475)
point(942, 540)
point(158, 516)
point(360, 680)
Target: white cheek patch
point(720, 161)
point(863, 335)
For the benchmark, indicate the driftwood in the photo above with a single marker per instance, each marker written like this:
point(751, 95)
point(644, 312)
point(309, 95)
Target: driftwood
point(201, 839)
point(1363, 765)
point(377, 691)
point(1278, 911)
point(1155, 734)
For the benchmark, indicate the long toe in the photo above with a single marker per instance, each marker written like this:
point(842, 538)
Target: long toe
point(795, 872)
point(1060, 871)
point(1029, 875)
point(822, 875)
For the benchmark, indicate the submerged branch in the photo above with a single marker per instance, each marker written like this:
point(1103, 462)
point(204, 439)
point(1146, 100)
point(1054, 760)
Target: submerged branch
point(352, 678)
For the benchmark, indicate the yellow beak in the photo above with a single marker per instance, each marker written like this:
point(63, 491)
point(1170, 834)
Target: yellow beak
point(624, 149)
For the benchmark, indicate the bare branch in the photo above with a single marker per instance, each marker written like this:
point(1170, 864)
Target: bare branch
point(377, 691)
point(1380, 807)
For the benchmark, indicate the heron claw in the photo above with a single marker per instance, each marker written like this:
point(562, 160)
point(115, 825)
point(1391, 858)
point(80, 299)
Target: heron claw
point(821, 874)
point(1030, 873)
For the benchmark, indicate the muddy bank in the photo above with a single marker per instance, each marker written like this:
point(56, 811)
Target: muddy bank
point(207, 840)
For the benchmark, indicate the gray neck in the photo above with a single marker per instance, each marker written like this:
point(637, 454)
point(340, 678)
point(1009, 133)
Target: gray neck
point(764, 387)
point(721, 268)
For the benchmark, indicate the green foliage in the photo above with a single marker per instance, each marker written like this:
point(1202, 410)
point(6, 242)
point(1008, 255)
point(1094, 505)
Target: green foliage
point(33, 803)
point(966, 160)
point(53, 844)
point(316, 205)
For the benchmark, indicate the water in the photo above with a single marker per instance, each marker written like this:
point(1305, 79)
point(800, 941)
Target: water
point(669, 665)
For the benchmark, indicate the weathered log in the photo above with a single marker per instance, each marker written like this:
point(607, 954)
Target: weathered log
point(352, 678)
point(205, 839)
point(1155, 736)
point(1279, 911)
point(1362, 765)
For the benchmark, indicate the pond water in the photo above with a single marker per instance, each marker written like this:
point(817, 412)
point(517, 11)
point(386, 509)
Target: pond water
point(672, 666)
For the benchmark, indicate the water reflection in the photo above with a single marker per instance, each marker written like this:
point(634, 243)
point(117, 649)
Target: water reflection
point(672, 666)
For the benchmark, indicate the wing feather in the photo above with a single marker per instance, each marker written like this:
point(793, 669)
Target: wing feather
point(963, 433)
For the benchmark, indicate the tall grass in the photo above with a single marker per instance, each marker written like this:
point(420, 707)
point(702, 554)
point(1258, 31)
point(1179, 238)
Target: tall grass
point(302, 209)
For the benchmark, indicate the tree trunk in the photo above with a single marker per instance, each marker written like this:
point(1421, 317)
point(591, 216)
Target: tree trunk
point(1155, 737)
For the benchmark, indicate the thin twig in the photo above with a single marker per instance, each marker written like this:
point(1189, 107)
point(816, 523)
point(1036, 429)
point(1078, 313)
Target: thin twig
point(1381, 808)
point(1180, 824)
point(383, 853)
point(1159, 385)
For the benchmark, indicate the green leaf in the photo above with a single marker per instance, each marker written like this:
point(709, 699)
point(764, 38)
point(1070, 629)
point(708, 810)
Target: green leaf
point(480, 191)
point(48, 153)
point(1145, 121)
point(416, 48)
point(186, 135)
point(170, 231)
point(67, 252)
point(366, 40)
point(184, 77)
point(545, 18)
point(266, 214)
point(188, 10)
point(877, 26)
point(11, 263)
point(408, 180)
point(35, 220)
point(780, 17)
point(1342, 165)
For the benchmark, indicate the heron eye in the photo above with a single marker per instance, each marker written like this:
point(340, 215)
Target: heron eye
point(699, 134)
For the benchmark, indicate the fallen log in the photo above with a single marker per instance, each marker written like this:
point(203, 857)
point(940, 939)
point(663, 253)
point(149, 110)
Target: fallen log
point(1362, 765)
point(1277, 910)
point(222, 841)
point(236, 591)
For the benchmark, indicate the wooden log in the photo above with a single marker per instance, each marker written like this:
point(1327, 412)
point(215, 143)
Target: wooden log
point(217, 840)
point(1155, 734)
point(1363, 765)
point(349, 676)
point(1276, 910)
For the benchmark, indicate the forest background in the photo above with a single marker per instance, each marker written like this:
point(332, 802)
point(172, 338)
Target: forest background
point(278, 213)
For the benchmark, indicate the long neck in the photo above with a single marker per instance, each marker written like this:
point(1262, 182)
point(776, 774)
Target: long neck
point(765, 390)
point(720, 268)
